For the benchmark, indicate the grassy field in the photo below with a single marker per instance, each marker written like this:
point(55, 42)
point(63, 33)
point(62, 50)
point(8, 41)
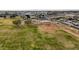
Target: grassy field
point(28, 37)
point(8, 21)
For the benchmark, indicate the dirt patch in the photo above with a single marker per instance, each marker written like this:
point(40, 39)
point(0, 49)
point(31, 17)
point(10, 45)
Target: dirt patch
point(47, 27)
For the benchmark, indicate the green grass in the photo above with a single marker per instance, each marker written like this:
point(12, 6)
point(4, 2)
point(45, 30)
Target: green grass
point(30, 38)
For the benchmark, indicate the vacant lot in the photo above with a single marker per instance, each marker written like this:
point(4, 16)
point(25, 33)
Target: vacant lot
point(33, 37)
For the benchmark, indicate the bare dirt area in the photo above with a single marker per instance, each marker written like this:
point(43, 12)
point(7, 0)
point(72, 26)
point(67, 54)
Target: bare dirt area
point(47, 27)
point(52, 27)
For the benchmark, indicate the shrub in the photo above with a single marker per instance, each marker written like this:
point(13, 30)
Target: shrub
point(17, 23)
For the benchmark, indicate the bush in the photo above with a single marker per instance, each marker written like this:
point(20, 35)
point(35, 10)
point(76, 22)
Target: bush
point(17, 23)
point(28, 22)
